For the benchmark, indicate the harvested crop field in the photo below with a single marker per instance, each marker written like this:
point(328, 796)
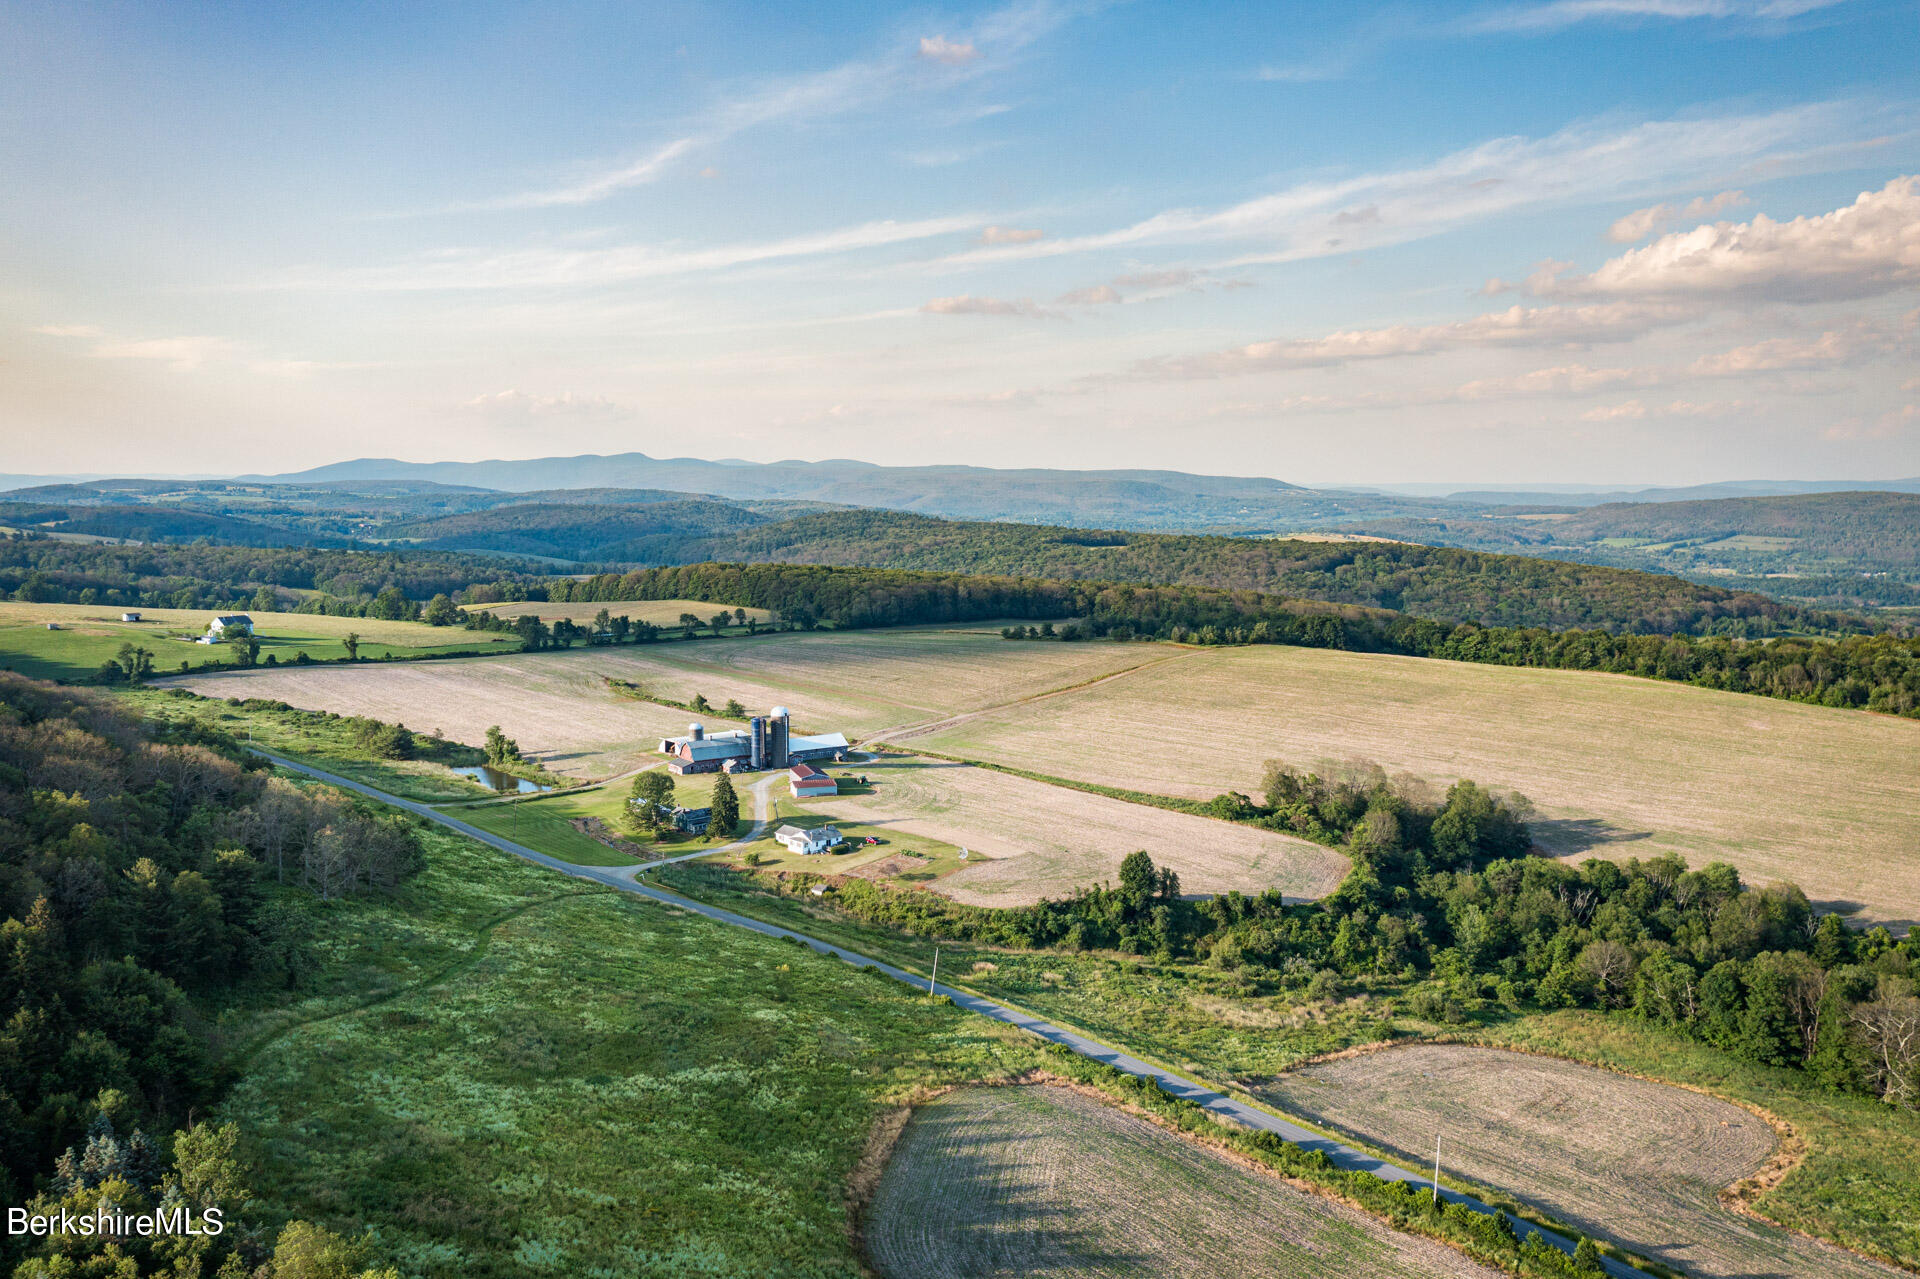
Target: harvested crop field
point(1638, 1163)
point(558, 707)
point(1039, 1180)
point(1047, 840)
point(1619, 767)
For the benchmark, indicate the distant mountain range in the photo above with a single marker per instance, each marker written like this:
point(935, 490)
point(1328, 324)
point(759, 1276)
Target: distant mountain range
point(1087, 499)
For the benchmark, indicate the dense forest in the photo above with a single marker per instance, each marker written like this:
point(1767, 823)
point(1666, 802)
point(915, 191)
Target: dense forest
point(1879, 672)
point(1445, 899)
point(220, 577)
point(147, 875)
point(1442, 583)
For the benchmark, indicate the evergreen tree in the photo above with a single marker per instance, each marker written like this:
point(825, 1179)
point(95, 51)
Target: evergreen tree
point(726, 807)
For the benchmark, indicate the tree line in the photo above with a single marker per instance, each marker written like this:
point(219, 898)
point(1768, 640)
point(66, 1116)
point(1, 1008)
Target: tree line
point(147, 875)
point(1876, 672)
point(1445, 896)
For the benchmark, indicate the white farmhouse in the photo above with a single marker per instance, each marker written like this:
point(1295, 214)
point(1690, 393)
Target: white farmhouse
point(820, 839)
point(217, 629)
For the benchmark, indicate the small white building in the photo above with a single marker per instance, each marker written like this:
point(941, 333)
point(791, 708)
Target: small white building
point(129, 617)
point(820, 839)
point(217, 629)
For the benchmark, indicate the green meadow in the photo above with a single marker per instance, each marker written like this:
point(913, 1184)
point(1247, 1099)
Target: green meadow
point(498, 1073)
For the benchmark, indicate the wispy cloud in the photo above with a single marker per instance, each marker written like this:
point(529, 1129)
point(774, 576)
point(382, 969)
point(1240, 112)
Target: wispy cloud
point(1582, 163)
point(1011, 235)
point(1641, 223)
point(967, 304)
point(1559, 14)
point(951, 52)
point(550, 267)
point(936, 61)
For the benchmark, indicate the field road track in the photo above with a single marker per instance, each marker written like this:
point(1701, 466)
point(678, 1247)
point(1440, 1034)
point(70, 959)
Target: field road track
point(625, 880)
point(902, 732)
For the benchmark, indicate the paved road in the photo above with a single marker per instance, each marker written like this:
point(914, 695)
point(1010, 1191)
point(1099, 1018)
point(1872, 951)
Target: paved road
point(624, 879)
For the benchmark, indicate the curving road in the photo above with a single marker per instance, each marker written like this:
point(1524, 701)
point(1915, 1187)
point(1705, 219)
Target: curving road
point(626, 880)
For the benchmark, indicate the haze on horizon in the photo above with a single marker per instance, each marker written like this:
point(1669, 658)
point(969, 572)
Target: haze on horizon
point(1579, 241)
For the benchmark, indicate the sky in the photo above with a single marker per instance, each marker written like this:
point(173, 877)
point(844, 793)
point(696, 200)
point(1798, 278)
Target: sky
point(1568, 241)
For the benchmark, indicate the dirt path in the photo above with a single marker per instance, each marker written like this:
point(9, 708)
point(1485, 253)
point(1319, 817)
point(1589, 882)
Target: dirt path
point(905, 731)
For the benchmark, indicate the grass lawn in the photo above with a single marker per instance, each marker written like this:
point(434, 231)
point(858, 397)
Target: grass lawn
point(90, 634)
point(545, 822)
point(502, 1074)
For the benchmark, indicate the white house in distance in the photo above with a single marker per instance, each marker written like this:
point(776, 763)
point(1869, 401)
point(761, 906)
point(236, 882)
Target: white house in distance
point(820, 839)
point(217, 629)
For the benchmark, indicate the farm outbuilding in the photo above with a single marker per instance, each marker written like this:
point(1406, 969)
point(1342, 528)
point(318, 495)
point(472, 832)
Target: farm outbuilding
point(767, 742)
point(129, 617)
point(809, 782)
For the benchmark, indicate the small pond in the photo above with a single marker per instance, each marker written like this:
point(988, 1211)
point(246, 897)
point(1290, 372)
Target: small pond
point(506, 783)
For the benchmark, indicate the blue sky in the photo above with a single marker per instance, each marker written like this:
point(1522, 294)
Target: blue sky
point(1603, 241)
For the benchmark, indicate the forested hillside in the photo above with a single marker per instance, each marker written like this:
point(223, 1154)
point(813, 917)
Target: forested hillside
point(650, 533)
point(147, 877)
point(1843, 549)
point(1436, 582)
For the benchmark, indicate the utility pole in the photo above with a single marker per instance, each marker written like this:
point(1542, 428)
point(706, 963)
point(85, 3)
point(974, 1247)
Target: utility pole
point(936, 968)
point(1436, 1168)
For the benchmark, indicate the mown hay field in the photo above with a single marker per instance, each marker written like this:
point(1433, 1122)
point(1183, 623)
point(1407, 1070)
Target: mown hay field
point(1038, 1180)
point(1619, 767)
point(558, 707)
point(500, 1073)
point(90, 634)
point(1637, 1163)
point(1047, 840)
point(659, 612)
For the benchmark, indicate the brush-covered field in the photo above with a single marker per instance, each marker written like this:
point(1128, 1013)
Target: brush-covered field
point(1636, 1163)
point(327, 742)
point(91, 634)
point(1039, 1180)
point(559, 708)
point(1619, 767)
point(502, 1074)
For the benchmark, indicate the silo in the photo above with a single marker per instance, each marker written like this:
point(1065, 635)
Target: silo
point(697, 732)
point(777, 738)
point(757, 728)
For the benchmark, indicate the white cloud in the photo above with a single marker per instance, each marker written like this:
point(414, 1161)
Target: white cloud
point(967, 304)
point(1631, 410)
point(1094, 295)
point(1831, 349)
point(1541, 18)
point(1011, 235)
point(1581, 163)
point(548, 267)
point(1642, 223)
point(69, 330)
point(848, 87)
point(1517, 326)
point(1870, 247)
point(951, 52)
point(1178, 277)
point(520, 404)
point(183, 353)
